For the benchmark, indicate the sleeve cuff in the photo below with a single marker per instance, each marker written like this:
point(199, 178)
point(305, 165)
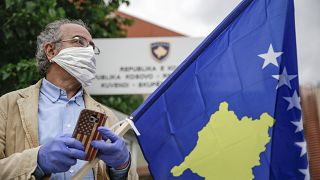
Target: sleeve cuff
point(38, 173)
point(120, 174)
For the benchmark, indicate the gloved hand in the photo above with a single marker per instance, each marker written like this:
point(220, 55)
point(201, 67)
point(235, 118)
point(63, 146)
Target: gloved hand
point(114, 153)
point(60, 154)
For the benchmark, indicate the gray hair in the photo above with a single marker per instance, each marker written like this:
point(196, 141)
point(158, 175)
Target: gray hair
point(51, 33)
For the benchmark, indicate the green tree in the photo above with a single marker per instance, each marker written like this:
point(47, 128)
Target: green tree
point(22, 20)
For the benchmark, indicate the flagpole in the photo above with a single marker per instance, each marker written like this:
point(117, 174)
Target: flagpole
point(89, 165)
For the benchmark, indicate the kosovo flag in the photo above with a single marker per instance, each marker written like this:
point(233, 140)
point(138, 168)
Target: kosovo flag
point(232, 109)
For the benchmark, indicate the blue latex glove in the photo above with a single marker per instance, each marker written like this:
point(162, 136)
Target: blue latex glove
point(60, 154)
point(114, 153)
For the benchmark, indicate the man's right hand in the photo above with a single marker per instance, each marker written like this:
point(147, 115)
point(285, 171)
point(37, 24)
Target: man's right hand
point(60, 154)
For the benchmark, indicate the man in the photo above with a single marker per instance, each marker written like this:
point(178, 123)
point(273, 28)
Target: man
point(36, 122)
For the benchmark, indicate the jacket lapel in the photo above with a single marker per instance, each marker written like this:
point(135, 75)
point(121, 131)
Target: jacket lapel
point(90, 103)
point(28, 107)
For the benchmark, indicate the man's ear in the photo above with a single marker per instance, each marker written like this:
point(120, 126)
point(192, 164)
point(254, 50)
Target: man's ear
point(50, 50)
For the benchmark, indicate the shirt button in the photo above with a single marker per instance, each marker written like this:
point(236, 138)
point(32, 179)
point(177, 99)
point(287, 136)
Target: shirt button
point(71, 170)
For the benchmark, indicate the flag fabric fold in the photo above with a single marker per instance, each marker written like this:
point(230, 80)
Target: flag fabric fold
point(232, 109)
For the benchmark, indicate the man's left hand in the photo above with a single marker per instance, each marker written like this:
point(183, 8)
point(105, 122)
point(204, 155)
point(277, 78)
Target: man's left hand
point(113, 153)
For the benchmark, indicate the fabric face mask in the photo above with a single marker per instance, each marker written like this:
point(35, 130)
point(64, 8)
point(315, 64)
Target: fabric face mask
point(79, 62)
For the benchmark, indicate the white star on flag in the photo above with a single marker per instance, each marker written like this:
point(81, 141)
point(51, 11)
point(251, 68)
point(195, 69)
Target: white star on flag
point(270, 57)
point(299, 125)
point(284, 78)
point(303, 146)
point(306, 173)
point(294, 101)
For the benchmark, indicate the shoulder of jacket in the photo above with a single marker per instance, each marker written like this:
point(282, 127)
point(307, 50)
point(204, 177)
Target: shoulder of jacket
point(13, 96)
point(7, 99)
point(21, 92)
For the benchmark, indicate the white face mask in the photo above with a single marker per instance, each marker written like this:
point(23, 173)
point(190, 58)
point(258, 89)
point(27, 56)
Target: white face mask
point(79, 62)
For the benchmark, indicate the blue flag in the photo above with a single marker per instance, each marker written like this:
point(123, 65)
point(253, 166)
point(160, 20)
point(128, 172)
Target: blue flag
point(232, 109)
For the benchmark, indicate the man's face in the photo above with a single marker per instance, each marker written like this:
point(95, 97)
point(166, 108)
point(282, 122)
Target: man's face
point(72, 35)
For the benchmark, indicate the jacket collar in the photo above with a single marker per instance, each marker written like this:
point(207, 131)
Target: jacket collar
point(54, 93)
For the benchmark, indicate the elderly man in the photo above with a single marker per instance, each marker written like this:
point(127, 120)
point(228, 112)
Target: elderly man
point(35, 121)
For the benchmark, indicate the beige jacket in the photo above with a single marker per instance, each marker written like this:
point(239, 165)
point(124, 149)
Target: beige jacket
point(19, 133)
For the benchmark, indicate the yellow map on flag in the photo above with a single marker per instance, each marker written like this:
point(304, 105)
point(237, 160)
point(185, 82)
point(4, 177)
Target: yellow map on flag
point(228, 148)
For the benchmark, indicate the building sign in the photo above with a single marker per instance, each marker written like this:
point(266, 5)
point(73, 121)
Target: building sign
point(138, 65)
point(160, 50)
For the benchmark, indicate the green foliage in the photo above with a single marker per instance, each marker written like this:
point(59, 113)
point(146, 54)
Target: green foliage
point(22, 20)
point(20, 75)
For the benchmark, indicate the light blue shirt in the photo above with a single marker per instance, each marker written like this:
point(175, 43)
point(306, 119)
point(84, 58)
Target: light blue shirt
point(58, 116)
